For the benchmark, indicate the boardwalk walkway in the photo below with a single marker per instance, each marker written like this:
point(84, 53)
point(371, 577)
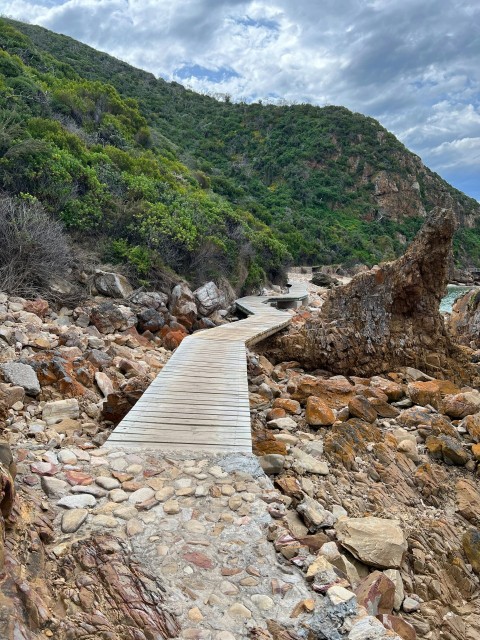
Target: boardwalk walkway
point(199, 400)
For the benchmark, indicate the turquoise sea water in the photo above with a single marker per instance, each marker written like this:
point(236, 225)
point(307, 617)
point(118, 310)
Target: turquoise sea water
point(453, 293)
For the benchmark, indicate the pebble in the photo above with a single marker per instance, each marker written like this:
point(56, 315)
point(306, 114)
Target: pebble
point(73, 520)
point(134, 527)
point(54, 487)
point(118, 495)
point(78, 501)
point(141, 495)
point(171, 507)
point(134, 469)
point(164, 494)
point(106, 521)
point(107, 483)
point(264, 603)
point(93, 490)
point(125, 512)
point(238, 610)
point(65, 456)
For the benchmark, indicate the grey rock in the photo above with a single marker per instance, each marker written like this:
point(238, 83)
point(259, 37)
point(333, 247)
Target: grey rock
point(112, 284)
point(209, 298)
point(314, 515)
point(410, 605)
point(305, 463)
point(73, 520)
point(283, 423)
point(54, 487)
point(78, 501)
point(91, 489)
point(107, 483)
point(272, 463)
point(243, 463)
point(149, 299)
point(22, 375)
point(182, 302)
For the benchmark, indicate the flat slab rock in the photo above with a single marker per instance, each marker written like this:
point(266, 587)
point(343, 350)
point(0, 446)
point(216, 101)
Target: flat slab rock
point(377, 542)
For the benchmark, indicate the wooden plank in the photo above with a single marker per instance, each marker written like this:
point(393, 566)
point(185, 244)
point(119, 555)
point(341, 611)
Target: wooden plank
point(200, 400)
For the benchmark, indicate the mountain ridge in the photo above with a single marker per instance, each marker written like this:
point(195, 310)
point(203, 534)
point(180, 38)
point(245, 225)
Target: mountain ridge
point(322, 184)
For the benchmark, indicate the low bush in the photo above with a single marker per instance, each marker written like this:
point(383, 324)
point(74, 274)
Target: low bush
point(33, 247)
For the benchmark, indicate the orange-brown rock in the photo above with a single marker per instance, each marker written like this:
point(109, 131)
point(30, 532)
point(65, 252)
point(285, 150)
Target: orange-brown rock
point(276, 413)
point(447, 449)
point(424, 393)
point(173, 339)
point(39, 307)
point(472, 425)
point(468, 501)
point(476, 451)
point(384, 409)
point(318, 413)
point(264, 443)
point(346, 440)
point(289, 486)
point(360, 407)
point(335, 392)
point(461, 405)
point(288, 405)
point(400, 626)
point(393, 390)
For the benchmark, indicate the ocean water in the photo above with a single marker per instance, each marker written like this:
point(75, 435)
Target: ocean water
point(453, 292)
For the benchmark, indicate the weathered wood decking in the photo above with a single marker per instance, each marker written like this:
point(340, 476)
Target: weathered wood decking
point(199, 400)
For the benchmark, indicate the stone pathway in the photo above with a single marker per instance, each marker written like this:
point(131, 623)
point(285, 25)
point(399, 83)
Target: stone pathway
point(199, 524)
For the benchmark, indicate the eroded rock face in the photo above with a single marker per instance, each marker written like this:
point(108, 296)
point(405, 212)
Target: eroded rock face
point(385, 318)
point(464, 324)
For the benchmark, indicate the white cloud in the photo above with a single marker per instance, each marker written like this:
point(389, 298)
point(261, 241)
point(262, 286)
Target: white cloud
point(413, 65)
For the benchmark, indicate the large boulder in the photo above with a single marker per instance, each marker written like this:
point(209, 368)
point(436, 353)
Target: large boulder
point(150, 320)
point(375, 541)
point(149, 299)
point(182, 304)
point(109, 317)
point(321, 279)
point(113, 285)
point(209, 298)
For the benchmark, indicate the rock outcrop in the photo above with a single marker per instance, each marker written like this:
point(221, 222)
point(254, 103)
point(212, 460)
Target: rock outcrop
point(385, 318)
point(464, 323)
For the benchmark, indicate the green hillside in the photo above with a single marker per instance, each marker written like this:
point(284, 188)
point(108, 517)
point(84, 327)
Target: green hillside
point(162, 177)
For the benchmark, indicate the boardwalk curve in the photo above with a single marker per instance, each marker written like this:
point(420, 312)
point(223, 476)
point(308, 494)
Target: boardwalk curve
point(199, 401)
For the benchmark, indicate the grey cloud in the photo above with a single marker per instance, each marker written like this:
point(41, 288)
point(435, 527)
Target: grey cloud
point(413, 65)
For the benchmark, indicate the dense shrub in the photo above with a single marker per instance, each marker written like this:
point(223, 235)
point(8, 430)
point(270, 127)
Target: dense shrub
point(33, 247)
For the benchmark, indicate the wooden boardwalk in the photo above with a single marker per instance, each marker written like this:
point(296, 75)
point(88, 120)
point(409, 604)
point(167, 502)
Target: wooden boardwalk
point(199, 401)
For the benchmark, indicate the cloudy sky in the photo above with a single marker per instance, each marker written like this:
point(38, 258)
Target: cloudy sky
point(412, 64)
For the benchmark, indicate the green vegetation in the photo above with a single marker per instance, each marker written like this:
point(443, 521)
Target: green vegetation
point(164, 178)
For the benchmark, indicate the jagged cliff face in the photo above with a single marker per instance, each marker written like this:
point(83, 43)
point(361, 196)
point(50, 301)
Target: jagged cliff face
point(387, 317)
point(412, 193)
